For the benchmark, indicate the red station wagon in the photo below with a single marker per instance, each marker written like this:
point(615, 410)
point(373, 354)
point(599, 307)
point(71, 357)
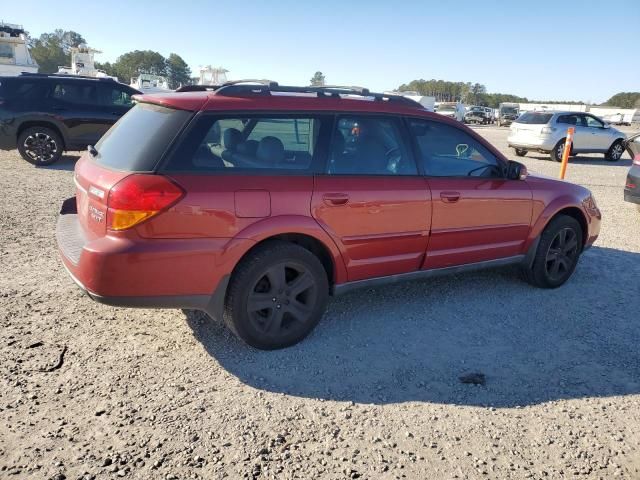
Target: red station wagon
point(254, 202)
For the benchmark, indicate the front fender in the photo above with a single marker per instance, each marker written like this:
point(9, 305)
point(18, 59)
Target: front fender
point(548, 211)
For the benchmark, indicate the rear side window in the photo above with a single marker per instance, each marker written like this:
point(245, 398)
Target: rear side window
point(138, 140)
point(534, 118)
point(281, 143)
point(447, 151)
point(363, 145)
point(22, 90)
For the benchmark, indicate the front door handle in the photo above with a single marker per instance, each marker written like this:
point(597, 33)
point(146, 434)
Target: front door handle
point(450, 197)
point(335, 199)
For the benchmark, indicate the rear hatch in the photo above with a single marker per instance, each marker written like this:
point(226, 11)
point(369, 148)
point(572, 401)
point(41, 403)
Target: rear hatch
point(134, 144)
point(531, 125)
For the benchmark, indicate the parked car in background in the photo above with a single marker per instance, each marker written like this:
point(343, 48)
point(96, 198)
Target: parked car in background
point(44, 115)
point(453, 110)
point(632, 186)
point(481, 115)
point(546, 132)
point(507, 113)
point(255, 202)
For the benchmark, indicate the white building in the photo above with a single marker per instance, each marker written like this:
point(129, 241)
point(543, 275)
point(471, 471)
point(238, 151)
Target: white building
point(14, 52)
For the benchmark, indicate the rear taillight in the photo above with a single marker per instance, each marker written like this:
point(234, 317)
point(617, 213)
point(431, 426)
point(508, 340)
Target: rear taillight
point(547, 130)
point(636, 159)
point(139, 197)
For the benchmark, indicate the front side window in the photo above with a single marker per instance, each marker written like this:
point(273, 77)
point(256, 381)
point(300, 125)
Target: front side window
point(363, 145)
point(248, 143)
point(447, 151)
point(593, 122)
point(116, 96)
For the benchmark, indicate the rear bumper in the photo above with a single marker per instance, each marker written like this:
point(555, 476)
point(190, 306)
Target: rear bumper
point(143, 273)
point(538, 144)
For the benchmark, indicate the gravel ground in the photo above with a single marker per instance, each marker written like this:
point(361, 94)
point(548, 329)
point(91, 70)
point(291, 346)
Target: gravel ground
point(90, 391)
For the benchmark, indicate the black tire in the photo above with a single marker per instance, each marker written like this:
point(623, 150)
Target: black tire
point(557, 254)
point(40, 146)
point(558, 149)
point(268, 276)
point(615, 152)
point(521, 152)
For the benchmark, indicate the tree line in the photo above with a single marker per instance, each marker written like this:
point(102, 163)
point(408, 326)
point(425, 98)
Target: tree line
point(52, 50)
point(476, 94)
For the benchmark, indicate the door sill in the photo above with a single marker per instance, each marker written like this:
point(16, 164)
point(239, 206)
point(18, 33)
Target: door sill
point(343, 288)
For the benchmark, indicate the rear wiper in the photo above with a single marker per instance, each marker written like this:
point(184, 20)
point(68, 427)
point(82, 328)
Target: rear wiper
point(92, 150)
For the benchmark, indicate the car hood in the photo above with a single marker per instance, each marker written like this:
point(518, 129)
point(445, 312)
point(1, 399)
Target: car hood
point(544, 181)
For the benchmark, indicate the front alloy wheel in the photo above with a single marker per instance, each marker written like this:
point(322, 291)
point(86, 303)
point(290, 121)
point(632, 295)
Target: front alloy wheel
point(562, 254)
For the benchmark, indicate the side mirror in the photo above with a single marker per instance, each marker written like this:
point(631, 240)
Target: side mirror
point(607, 125)
point(516, 171)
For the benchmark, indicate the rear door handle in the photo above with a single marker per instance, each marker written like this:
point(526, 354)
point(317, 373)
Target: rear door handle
point(335, 199)
point(450, 197)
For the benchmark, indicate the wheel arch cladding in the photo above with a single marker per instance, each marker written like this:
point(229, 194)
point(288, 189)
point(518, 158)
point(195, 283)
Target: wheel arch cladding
point(38, 123)
point(578, 215)
point(308, 242)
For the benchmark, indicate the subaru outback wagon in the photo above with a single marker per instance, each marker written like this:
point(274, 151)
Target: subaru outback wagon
point(255, 202)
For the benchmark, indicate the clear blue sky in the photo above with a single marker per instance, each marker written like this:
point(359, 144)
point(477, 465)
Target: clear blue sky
point(547, 50)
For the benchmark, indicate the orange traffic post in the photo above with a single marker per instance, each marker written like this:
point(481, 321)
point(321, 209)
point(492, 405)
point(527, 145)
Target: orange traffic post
point(565, 153)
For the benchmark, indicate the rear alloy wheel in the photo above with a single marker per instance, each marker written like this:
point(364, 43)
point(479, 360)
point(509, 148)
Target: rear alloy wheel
point(557, 254)
point(558, 150)
point(521, 152)
point(40, 146)
point(615, 151)
point(277, 295)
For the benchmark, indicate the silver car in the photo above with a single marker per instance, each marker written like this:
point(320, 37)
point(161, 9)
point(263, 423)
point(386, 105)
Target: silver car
point(546, 132)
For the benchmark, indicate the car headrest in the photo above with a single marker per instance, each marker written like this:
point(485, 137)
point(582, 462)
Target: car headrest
point(250, 147)
point(231, 138)
point(270, 151)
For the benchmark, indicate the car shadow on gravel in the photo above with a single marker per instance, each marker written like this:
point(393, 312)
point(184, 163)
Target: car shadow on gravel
point(412, 342)
point(66, 162)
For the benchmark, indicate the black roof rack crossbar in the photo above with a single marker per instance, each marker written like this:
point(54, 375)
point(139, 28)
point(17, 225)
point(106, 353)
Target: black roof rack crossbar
point(266, 87)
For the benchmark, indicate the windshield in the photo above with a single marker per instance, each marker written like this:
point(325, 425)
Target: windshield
point(138, 140)
point(509, 110)
point(445, 108)
point(534, 118)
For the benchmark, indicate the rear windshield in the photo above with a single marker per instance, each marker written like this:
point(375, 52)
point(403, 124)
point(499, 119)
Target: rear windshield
point(138, 140)
point(534, 118)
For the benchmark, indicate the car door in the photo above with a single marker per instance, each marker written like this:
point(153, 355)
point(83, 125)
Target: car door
point(115, 101)
point(580, 133)
point(76, 103)
point(599, 139)
point(371, 199)
point(478, 214)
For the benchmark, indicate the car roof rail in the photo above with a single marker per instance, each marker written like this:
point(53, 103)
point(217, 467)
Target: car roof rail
point(267, 87)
